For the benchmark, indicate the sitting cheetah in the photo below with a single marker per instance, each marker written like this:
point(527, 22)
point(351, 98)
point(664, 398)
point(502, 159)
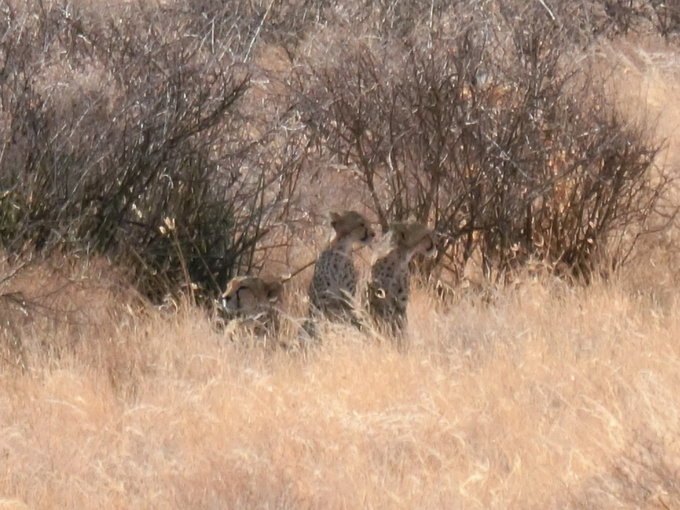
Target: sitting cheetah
point(335, 279)
point(249, 301)
point(389, 286)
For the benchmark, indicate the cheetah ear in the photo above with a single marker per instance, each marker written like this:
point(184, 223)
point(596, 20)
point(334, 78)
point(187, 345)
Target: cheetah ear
point(273, 290)
point(232, 286)
point(399, 232)
point(334, 217)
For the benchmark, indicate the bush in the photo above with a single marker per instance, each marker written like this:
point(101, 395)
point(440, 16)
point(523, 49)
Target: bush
point(123, 135)
point(480, 125)
point(137, 133)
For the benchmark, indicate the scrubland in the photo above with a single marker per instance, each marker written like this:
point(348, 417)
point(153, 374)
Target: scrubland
point(542, 389)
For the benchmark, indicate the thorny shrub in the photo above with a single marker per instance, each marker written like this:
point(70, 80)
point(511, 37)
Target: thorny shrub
point(481, 125)
point(124, 135)
point(132, 132)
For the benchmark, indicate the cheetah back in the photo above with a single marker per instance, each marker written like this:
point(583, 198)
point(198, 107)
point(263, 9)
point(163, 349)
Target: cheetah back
point(333, 283)
point(389, 291)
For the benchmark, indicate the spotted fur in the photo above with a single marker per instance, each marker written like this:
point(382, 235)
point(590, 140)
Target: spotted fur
point(250, 303)
point(334, 282)
point(388, 289)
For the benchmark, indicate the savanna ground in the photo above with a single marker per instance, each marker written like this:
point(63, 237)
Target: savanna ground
point(539, 393)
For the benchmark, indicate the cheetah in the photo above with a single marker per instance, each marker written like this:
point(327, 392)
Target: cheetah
point(388, 288)
point(250, 301)
point(335, 279)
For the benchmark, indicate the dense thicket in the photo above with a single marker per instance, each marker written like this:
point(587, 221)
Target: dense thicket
point(124, 134)
point(136, 131)
point(480, 122)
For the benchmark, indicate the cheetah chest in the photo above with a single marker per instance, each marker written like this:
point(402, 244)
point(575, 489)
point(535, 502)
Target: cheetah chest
point(390, 283)
point(334, 277)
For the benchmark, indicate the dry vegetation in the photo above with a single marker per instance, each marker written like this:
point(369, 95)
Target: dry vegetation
point(549, 397)
point(528, 390)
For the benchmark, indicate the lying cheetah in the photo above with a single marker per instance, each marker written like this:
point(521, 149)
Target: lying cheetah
point(335, 279)
point(388, 288)
point(250, 302)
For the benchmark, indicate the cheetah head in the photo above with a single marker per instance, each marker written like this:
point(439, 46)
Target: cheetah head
point(351, 224)
point(414, 238)
point(246, 294)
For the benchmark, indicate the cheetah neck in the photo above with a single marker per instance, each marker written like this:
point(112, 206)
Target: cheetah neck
point(399, 255)
point(342, 245)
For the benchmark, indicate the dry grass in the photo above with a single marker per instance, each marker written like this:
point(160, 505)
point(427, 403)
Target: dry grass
point(546, 397)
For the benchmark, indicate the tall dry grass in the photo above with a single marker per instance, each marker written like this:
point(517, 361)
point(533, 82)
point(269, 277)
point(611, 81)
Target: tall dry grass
point(539, 396)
